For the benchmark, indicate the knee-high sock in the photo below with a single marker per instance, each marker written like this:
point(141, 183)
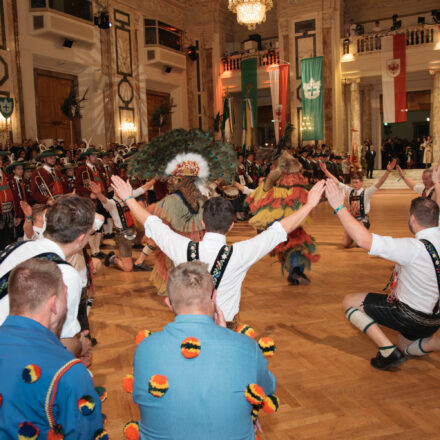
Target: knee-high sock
point(95, 242)
point(416, 349)
point(108, 226)
point(359, 319)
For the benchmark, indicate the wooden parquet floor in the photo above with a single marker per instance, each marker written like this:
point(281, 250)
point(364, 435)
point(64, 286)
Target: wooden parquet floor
point(325, 383)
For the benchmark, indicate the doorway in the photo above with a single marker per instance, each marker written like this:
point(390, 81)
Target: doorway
point(154, 101)
point(51, 89)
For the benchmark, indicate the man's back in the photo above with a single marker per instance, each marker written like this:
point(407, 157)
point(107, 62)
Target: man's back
point(205, 399)
point(30, 355)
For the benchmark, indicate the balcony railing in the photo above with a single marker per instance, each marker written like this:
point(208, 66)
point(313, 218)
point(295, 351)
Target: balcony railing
point(368, 43)
point(76, 8)
point(265, 58)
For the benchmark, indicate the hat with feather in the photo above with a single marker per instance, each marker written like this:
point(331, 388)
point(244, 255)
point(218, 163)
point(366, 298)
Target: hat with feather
point(184, 153)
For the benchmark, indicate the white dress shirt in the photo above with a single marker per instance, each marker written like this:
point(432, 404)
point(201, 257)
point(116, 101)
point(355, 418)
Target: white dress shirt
point(368, 193)
point(244, 255)
point(417, 284)
point(110, 206)
point(71, 279)
point(420, 188)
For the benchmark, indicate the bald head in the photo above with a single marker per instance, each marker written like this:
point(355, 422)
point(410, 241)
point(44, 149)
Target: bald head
point(190, 288)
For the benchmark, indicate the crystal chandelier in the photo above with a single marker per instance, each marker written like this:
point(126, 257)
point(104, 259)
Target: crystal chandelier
point(250, 12)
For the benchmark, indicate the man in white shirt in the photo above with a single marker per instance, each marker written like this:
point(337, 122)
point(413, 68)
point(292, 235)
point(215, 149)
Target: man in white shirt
point(426, 189)
point(68, 225)
point(411, 308)
point(218, 218)
point(358, 197)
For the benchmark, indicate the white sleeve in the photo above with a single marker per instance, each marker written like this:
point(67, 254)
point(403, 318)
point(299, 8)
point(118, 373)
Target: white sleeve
point(72, 280)
point(399, 250)
point(247, 190)
point(170, 243)
point(257, 247)
point(419, 189)
point(346, 188)
point(371, 190)
point(138, 192)
point(108, 204)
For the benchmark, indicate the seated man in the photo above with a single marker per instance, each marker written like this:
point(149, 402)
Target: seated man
point(229, 264)
point(69, 222)
point(206, 396)
point(411, 308)
point(34, 364)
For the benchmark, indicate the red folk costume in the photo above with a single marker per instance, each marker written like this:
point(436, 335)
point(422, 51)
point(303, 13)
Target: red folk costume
point(86, 173)
point(7, 211)
point(46, 183)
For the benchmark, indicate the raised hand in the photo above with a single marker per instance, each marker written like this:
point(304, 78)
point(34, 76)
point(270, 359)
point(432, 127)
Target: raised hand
point(335, 196)
point(392, 165)
point(323, 166)
point(26, 208)
point(95, 188)
point(122, 189)
point(315, 194)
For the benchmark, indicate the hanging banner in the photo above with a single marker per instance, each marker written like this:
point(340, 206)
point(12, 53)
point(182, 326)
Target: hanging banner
point(227, 120)
point(312, 91)
point(249, 99)
point(394, 78)
point(279, 80)
point(6, 107)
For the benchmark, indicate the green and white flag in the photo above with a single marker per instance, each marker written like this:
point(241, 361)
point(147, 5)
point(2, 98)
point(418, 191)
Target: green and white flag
point(227, 120)
point(312, 88)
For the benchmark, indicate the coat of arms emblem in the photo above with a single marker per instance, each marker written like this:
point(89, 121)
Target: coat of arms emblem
point(393, 67)
point(312, 89)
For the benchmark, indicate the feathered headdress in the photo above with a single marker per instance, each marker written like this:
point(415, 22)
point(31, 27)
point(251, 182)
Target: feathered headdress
point(185, 153)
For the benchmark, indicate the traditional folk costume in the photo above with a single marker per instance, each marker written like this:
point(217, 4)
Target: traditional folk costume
point(19, 192)
point(7, 211)
point(186, 158)
point(46, 181)
point(69, 180)
point(282, 193)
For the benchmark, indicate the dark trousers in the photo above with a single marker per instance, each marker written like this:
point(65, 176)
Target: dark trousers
point(370, 169)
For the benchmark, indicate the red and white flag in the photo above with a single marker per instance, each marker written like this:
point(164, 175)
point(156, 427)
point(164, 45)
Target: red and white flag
point(279, 80)
point(394, 78)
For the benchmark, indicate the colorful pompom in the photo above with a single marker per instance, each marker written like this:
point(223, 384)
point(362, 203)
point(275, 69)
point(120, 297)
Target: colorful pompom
point(101, 434)
point(254, 394)
point(86, 405)
point(127, 383)
point(131, 430)
point(158, 385)
point(142, 335)
point(56, 433)
point(246, 330)
point(31, 373)
point(28, 431)
point(267, 346)
point(102, 393)
point(271, 404)
point(190, 347)
point(254, 414)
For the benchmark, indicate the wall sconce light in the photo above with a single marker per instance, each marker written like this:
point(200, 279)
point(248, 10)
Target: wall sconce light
point(347, 56)
point(128, 130)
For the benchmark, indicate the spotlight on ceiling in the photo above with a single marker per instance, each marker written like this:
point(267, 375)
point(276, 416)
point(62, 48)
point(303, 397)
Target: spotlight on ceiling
point(192, 53)
point(102, 20)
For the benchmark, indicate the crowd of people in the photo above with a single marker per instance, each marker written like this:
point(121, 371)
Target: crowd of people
point(179, 203)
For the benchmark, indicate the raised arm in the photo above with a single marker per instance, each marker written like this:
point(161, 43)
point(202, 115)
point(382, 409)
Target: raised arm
point(409, 183)
point(125, 192)
point(96, 189)
point(356, 230)
point(328, 174)
point(390, 167)
point(291, 222)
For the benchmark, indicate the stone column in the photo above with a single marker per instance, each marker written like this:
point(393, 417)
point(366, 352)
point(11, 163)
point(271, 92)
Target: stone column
point(355, 118)
point(343, 148)
point(435, 114)
point(366, 114)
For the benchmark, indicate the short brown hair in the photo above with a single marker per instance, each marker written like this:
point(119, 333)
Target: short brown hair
point(32, 283)
point(189, 284)
point(218, 215)
point(425, 211)
point(358, 176)
point(69, 217)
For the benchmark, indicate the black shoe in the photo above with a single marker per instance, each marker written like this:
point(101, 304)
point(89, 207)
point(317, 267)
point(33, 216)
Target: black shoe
point(107, 236)
point(292, 280)
point(138, 246)
point(99, 255)
point(93, 341)
point(395, 359)
point(108, 258)
point(141, 268)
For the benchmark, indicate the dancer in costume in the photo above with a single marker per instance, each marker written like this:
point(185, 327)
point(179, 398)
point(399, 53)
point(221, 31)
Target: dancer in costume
point(282, 193)
point(186, 159)
point(358, 197)
point(426, 189)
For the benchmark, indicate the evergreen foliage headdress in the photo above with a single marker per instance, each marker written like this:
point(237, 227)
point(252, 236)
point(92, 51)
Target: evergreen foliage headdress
point(185, 153)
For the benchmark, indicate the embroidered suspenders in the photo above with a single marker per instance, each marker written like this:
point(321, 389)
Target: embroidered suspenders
point(358, 198)
point(12, 247)
point(220, 263)
point(436, 262)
